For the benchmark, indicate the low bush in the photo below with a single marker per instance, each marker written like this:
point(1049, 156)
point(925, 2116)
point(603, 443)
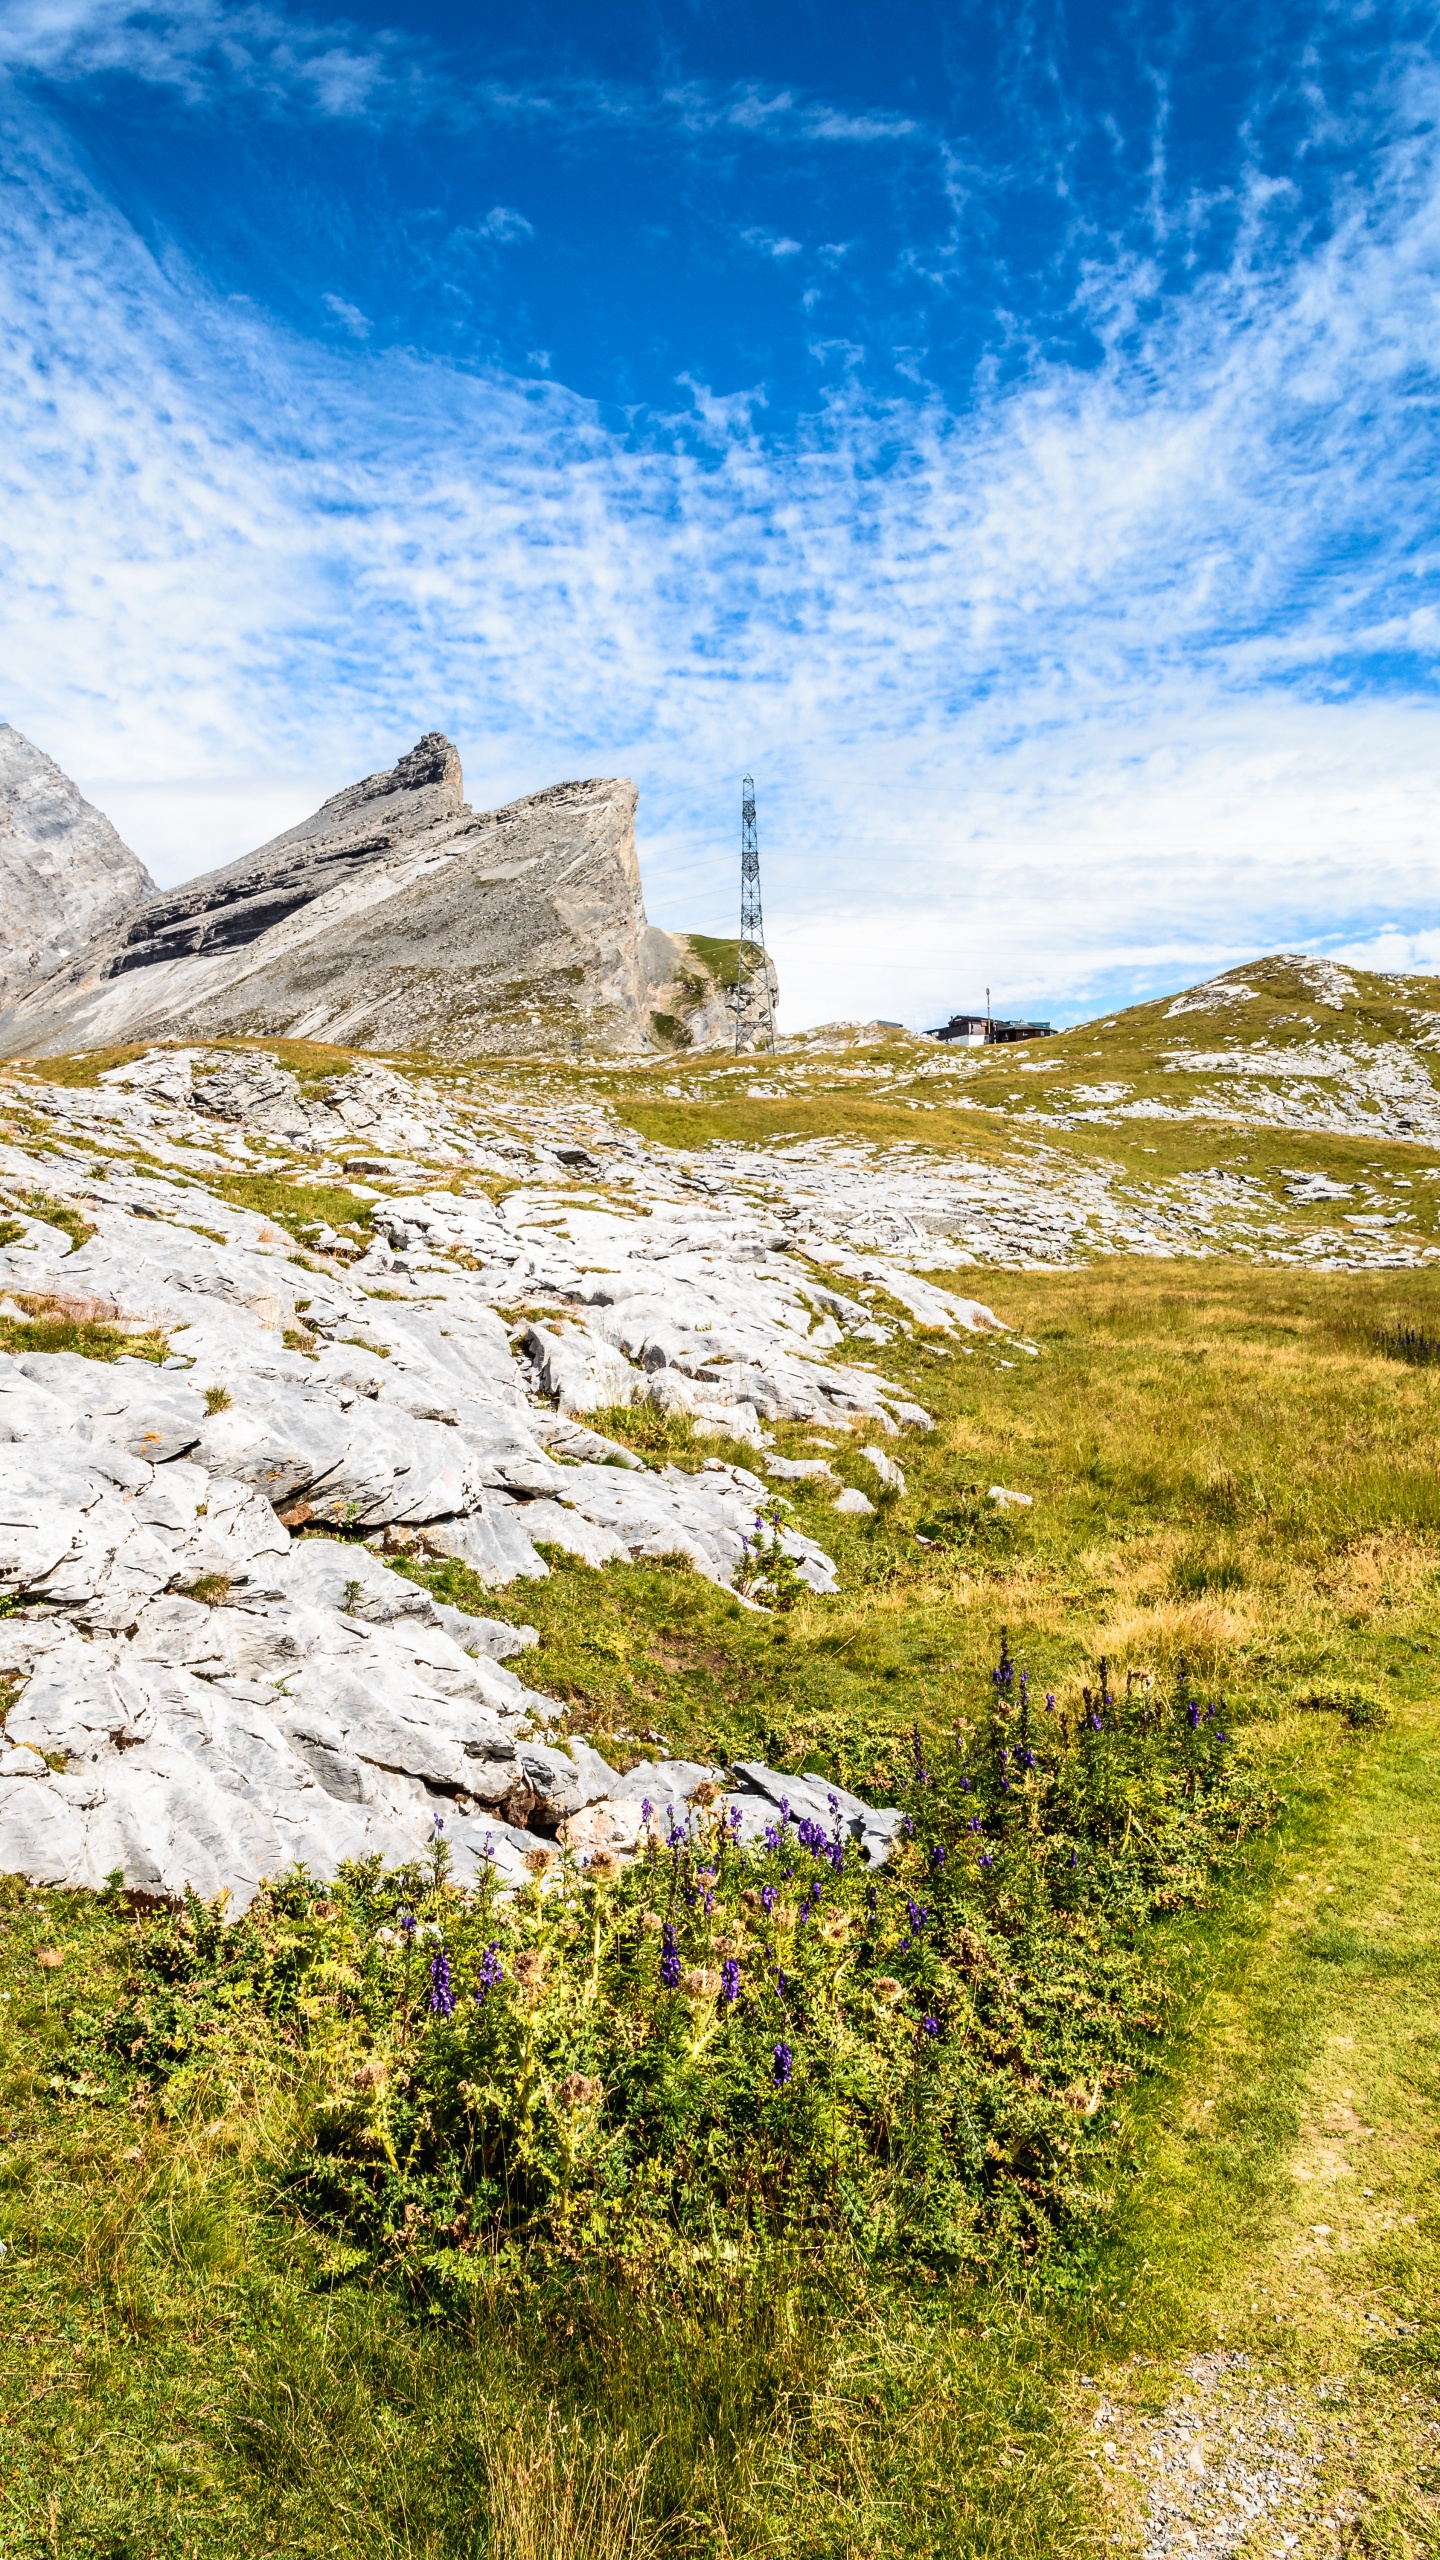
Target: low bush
point(1355, 1700)
point(718, 2046)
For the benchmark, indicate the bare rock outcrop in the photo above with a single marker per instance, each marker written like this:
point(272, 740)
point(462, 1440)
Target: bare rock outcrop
point(397, 917)
point(65, 875)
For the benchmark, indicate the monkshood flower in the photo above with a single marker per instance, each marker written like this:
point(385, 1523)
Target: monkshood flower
point(1074, 1857)
point(492, 1971)
point(647, 1810)
point(768, 1897)
point(918, 1915)
point(442, 1998)
point(1050, 1699)
point(782, 1982)
point(937, 1855)
point(730, 1979)
point(784, 1808)
point(908, 1826)
point(922, 1774)
point(772, 1835)
point(408, 1924)
point(986, 1861)
point(669, 1958)
point(733, 1818)
point(1192, 1714)
point(1095, 1724)
point(783, 2064)
point(929, 2026)
point(872, 1899)
point(438, 1821)
point(977, 1822)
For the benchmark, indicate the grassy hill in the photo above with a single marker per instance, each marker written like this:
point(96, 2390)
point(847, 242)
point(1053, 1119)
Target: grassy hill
point(1200, 2288)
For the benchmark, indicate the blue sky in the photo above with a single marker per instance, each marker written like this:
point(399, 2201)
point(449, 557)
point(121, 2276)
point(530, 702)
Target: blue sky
point(1011, 433)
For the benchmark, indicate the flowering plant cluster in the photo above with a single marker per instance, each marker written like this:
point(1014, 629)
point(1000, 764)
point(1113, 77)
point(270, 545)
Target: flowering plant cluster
point(717, 2041)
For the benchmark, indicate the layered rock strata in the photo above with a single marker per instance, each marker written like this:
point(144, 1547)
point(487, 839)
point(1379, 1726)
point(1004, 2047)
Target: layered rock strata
point(396, 917)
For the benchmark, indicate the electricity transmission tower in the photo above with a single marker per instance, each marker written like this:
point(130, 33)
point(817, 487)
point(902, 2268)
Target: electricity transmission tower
point(754, 1008)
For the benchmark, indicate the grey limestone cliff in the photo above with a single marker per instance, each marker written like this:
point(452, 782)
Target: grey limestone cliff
point(396, 917)
point(65, 875)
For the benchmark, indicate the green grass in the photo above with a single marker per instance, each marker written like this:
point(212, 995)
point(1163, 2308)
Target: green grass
point(38, 1330)
point(1228, 1470)
point(294, 1205)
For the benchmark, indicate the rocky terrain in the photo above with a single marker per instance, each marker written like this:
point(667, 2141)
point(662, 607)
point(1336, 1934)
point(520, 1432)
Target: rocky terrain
point(207, 1686)
point(214, 1669)
point(65, 876)
point(395, 916)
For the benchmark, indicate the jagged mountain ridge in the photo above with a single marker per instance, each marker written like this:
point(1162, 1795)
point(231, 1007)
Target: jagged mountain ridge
point(398, 917)
point(65, 874)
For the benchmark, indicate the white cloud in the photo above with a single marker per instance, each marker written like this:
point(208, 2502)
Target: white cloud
point(502, 223)
point(348, 316)
point(1110, 679)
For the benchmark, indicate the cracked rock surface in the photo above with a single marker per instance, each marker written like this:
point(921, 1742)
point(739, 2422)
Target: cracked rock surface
point(212, 1673)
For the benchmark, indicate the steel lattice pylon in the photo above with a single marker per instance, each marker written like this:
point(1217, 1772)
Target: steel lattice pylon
point(754, 1006)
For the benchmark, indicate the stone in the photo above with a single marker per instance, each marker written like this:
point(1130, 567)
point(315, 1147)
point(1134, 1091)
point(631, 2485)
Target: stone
point(856, 1503)
point(217, 1670)
point(64, 873)
point(885, 1468)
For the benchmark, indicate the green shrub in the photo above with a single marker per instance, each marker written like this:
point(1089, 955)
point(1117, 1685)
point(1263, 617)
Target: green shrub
point(714, 2048)
point(1355, 1700)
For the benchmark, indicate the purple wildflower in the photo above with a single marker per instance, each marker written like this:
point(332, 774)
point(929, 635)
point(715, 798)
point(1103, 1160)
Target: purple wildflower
point(784, 2061)
point(908, 1826)
point(730, 1979)
point(1050, 1700)
point(734, 1819)
point(442, 1998)
point(986, 1861)
point(929, 2026)
point(918, 1915)
point(669, 1958)
point(408, 1926)
point(1192, 1714)
point(768, 1897)
point(438, 1819)
point(937, 1855)
point(646, 1809)
point(492, 1971)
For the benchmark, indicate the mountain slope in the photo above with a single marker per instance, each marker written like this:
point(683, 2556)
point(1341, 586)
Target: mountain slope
point(65, 874)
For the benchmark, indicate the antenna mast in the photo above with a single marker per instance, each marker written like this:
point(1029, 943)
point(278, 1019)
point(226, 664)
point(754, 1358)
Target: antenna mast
point(754, 1008)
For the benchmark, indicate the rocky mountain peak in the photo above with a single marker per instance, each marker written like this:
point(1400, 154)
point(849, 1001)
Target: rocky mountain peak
point(64, 872)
